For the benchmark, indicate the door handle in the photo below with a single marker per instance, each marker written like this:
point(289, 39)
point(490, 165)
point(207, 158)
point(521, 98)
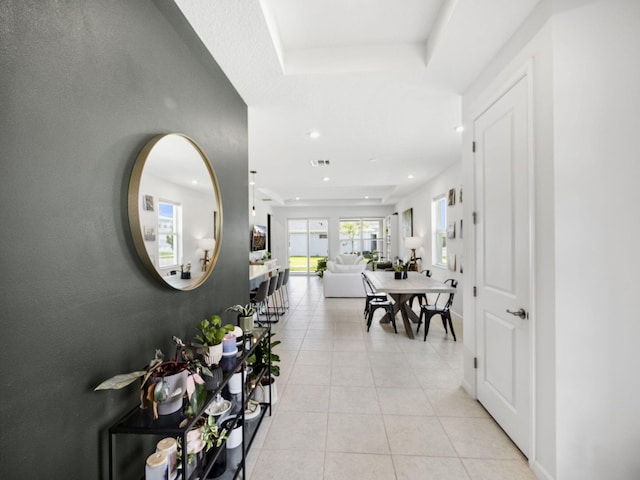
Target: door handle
point(519, 313)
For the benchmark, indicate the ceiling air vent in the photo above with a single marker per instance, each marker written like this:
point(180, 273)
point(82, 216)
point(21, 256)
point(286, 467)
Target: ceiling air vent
point(320, 163)
point(266, 199)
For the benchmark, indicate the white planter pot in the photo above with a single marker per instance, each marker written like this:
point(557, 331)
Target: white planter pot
point(261, 393)
point(214, 354)
point(177, 389)
point(235, 383)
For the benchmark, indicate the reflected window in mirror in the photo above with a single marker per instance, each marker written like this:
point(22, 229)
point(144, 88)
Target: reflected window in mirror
point(169, 235)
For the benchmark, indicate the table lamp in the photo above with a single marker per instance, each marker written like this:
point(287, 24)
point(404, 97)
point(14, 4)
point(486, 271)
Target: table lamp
point(206, 244)
point(413, 243)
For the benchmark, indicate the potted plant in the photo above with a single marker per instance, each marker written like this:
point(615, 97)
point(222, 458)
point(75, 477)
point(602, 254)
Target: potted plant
point(321, 266)
point(212, 332)
point(166, 382)
point(398, 269)
point(245, 316)
point(263, 357)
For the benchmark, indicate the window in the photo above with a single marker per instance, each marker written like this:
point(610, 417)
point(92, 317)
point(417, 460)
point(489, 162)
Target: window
point(169, 238)
point(439, 229)
point(308, 243)
point(361, 235)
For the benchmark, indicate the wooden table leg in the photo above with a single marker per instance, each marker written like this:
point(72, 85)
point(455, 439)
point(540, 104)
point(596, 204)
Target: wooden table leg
point(401, 305)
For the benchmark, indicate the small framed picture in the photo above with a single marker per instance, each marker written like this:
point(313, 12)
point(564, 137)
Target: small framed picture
point(148, 203)
point(149, 234)
point(451, 230)
point(460, 195)
point(452, 197)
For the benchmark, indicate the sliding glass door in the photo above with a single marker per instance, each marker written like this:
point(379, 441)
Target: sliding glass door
point(308, 242)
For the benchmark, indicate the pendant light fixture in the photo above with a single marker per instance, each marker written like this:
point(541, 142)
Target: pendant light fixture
point(253, 186)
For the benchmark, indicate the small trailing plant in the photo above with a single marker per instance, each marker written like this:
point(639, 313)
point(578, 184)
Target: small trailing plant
point(211, 331)
point(212, 434)
point(153, 391)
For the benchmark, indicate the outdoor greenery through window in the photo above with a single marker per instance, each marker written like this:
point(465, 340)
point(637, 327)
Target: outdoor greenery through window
point(308, 243)
point(439, 229)
point(168, 234)
point(361, 236)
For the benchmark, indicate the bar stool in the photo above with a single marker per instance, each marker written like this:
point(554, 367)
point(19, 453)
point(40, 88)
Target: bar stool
point(258, 299)
point(285, 287)
point(278, 293)
point(273, 283)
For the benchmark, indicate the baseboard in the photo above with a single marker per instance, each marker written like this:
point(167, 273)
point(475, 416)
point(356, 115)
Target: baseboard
point(540, 471)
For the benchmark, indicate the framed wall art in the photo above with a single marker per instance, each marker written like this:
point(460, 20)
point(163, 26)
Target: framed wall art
point(407, 223)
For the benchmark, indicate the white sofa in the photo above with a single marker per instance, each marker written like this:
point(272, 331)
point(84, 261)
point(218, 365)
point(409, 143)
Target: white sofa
point(343, 276)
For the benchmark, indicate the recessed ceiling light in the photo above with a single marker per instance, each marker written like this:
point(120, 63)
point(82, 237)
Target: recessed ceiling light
point(410, 176)
point(366, 197)
point(325, 179)
point(314, 134)
point(297, 198)
point(459, 128)
point(194, 182)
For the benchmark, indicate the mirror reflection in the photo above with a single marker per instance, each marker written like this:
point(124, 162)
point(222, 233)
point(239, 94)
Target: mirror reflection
point(175, 212)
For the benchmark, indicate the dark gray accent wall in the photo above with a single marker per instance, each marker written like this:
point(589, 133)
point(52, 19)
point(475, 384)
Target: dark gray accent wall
point(84, 84)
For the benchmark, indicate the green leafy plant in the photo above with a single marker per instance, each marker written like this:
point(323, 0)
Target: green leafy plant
point(321, 266)
point(372, 257)
point(211, 331)
point(262, 355)
point(212, 434)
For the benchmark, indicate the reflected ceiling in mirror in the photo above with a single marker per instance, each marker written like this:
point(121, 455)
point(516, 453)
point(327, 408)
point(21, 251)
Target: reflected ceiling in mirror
point(175, 211)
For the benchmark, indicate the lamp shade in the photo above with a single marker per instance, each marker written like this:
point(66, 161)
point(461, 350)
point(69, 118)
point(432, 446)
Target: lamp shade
point(207, 244)
point(412, 242)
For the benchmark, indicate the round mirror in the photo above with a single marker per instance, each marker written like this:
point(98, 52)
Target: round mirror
point(175, 211)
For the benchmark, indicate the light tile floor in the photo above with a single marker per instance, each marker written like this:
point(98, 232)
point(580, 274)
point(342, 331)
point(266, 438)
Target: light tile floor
point(365, 405)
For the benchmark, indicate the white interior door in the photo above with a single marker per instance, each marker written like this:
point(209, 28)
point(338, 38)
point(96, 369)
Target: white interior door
point(502, 263)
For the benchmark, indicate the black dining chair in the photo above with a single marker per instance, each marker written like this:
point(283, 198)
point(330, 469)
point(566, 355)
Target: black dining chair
point(429, 311)
point(370, 293)
point(420, 296)
point(376, 300)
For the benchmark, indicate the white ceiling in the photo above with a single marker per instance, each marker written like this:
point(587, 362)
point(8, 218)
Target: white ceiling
point(381, 81)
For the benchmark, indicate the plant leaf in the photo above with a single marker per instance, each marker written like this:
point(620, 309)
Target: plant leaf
point(120, 381)
point(199, 397)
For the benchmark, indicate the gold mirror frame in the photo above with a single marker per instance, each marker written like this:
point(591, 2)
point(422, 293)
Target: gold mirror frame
point(136, 202)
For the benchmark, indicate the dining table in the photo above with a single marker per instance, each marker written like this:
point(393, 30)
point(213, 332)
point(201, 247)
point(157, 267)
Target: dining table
point(401, 291)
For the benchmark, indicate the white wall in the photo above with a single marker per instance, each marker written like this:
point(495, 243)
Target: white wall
point(420, 200)
point(597, 105)
point(532, 43)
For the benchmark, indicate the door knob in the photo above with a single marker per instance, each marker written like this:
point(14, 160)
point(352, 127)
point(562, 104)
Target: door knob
point(520, 313)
